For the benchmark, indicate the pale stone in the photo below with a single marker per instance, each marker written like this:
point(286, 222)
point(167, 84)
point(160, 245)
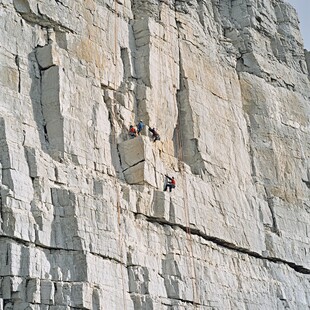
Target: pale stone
point(85, 222)
point(132, 152)
point(138, 161)
point(47, 56)
point(47, 292)
point(161, 205)
point(307, 56)
point(51, 108)
point(6, 287)
point(33, 291)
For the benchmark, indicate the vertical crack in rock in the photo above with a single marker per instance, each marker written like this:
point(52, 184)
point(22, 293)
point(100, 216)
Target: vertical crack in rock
point(37, 204)
point(36, 99)
point(252, 154)
point(47, 98)
point(115, 122)
point(186, 145)
point(141, 60)
point(17, 61)
point(7, 255)
point(274, 227)
point(45, 133)
point(1, 211)
point(122, 101)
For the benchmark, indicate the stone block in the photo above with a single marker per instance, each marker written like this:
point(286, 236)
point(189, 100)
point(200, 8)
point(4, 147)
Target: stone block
point(97, 187)
point(47, 290)
point(6, 288)
point(9, 76)
point(17, 284)
point(81, 296)
point(140, 174)
point(32, 161)
point(62, 293)
point(161, 205)
point(62, 198)
point(51, 108)
point(138, 161)
point(266, 213)
point(33, 291)
point(172, 287)
point(132, 151)
point(47, 56)
point(25, 6)
point(138, 277)
point(61, 175)
point(142, 302)
point(25, 306)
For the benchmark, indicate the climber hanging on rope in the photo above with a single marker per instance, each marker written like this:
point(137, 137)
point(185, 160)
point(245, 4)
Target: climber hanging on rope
point(140, 126)
point(132, 132)
point(169, 183)
point(155, 134)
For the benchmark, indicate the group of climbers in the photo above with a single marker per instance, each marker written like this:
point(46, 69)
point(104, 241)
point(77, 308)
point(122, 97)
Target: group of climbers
point(134, 132)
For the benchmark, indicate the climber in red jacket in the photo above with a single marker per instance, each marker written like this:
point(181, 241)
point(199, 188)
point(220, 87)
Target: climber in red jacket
point(170, 182)
point(132, 131)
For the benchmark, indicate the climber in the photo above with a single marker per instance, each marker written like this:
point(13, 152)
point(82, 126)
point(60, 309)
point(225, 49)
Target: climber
point(155, 134)
point(170, 182)
point(132, 131)
point(140, 126)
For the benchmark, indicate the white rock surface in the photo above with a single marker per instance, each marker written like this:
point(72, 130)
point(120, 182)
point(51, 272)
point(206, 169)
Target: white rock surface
point(84, 221)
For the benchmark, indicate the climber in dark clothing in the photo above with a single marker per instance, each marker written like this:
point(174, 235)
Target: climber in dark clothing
point(170, 182)
point(155, 134)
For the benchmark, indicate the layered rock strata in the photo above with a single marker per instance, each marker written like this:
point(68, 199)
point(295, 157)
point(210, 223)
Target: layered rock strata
point(85, 223)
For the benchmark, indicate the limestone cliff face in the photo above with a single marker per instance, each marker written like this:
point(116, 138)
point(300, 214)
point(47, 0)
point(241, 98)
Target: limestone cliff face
point(85, 223)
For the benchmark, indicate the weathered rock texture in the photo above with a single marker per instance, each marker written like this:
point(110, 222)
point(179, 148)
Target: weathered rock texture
point(84, 221)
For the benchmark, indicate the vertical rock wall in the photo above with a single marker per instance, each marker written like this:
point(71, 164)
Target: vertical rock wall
point(84, 221)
